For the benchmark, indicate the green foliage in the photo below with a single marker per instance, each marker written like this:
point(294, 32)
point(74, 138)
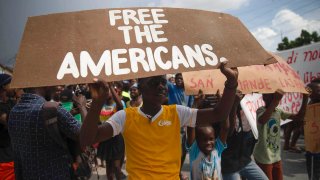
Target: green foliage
point(304, 39)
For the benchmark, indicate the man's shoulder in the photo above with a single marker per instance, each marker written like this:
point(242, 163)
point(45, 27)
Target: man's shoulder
point(128, 110)
point(173, 108)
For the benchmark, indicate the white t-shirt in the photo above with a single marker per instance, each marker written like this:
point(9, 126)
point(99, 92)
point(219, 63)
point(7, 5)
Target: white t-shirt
point(186, 115)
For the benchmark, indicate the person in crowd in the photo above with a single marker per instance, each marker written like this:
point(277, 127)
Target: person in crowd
point(267, 149)
point(292, 132)
point(236, 159)
point(170, 78)
point(135, 94)
point(17, 95)
point(132, 82)
point(176, 92)
point(125, 90)
point(313, 159)
point(36, 154)
point(118, 86)
point(152, 132)
point(56, 95)
point(205, 153)
point(67, 102)
point(112, 150)
point(176, 95)
point(6, 152)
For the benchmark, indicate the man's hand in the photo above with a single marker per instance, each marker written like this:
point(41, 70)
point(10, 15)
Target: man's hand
point(99, 90)
point(230, 73)
point(79, 100)
point(308, 89)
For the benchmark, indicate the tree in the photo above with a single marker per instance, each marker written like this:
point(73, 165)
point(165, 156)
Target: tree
point(315, 36)
point(304, 39)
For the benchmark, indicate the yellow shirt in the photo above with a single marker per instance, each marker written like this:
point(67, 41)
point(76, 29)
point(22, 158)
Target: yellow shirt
point(153, 147)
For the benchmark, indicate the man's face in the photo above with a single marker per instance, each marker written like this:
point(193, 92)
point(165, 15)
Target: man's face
point(134, 92)
point(54, 92)
point(179, 81)
point(205, 139)
point(315, 94)
point(154, 89)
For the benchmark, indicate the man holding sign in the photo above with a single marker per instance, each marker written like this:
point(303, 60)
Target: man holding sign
point(152, 132)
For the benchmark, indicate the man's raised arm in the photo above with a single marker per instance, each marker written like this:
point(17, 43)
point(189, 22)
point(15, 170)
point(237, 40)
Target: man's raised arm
point(91, 132)
point(222, 110)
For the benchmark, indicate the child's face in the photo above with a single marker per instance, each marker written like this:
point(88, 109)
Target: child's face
point(205, 139)
point(315, 94)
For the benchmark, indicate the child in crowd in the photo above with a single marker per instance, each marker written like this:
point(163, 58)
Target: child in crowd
point(236, 162)
point(112, 150)
point(267, 149)
point(205, 153)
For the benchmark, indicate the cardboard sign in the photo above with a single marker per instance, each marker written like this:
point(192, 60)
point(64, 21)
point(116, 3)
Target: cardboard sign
point(305, 60)
point(249, 104)
point(257, 78)
point(312, 128)
point(290, 103)
point(118, 44)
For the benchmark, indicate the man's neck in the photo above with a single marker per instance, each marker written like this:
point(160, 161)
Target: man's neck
point(150, 110)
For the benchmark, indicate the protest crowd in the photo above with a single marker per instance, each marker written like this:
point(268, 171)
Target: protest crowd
point(148, 124)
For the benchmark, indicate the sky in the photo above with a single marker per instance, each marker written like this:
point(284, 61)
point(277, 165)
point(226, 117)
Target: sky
point(268, 20)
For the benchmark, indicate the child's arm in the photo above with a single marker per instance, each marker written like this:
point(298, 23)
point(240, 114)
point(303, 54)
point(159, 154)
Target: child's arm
point(233, 113)
point(264, 118)
point(302, 111)
point(223, 108)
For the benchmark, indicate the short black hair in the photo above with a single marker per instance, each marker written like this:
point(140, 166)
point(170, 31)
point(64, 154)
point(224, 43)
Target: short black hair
point(178, 74)
point(198, 130)
point(314, 82)
point(119, 84)
point(142, 80)
point(66, 95)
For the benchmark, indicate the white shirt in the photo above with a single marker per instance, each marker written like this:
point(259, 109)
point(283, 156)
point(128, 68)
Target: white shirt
point(186, 115)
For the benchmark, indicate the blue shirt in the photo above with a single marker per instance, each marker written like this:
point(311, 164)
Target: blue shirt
point(178, 96)
point(36, 155)
point(198, 160)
